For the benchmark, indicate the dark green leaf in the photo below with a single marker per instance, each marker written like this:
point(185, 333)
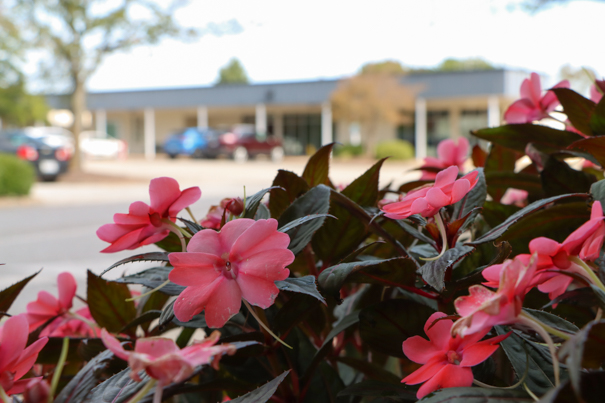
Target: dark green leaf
point(592, 390)
point(414, 232)
point(332, 278)
point(500, 229)
point(585, 297)
point(364, 190)
point(540, 375)
point(577, 108)
point(598, 191)
point(193, 227)
point(585, 349)
point(384, 326)
point(597, 120)
point(600, 294)
point(552, 320)
point(294, 311)
point(559, 178)
point(262, 394)
point(303, 285)
point(8, 295)
point(295, 187)
point(262, 213)
point(143, 257)
point(86, 379)
point(171, 243)
point(500, 160)
point(474, 198)
point(167, 314)
point(477, 395)
point(378, 388)
point(433, 272)
point(153, 278)
point(517, 136)
point(365, 248)
point(594, 146)
point(316, 203)
point(197, 322)
point(118, 389)
point(144, 318)
point(498, 182)
point(392, 273)
point(108, 305)
point(406, 187)
point(252, 202)
point(371, 371)
point(317, 168)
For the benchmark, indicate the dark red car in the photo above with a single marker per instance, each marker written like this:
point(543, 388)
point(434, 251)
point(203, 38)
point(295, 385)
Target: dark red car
point(243, 145)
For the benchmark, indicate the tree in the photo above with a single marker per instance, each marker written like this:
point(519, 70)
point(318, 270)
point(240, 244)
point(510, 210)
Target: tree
point(391, 67)
point(232, 73)
point(370, 99)
point(79, 34)
point(471, 63)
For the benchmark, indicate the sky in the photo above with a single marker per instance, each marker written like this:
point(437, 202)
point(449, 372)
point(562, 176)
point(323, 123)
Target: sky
point(283, 40)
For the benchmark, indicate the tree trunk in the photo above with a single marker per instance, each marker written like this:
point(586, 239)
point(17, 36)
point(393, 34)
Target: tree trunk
point(78, 106)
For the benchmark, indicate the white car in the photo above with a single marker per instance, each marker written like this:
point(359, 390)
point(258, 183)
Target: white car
point(94, 144)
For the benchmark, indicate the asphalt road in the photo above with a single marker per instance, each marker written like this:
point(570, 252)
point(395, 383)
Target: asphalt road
point(53, 230)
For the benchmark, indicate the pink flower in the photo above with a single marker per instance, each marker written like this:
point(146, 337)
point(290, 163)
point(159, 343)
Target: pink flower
point(484, 308)
point(243, 260)
point(428, 200)
point(448, 154)
point(162, 359)
point(517, 197)
point(215, 215)
point(532, 105)
point(36, 391)
point(47, 306)
point(72, 326)
point(144, 225)
point(15, 358)
point(587, 241)
point(447, 360)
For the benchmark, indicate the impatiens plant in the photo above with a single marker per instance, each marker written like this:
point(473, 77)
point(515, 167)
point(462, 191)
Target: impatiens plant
point(483, 287)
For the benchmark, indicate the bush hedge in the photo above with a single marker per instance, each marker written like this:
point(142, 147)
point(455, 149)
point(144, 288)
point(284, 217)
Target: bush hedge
point(348, 150)
point(396, 149)
point(16, 176)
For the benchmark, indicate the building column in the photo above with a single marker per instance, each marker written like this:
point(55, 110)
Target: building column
point(149, 131)
point(420, 135)
point(101, 120)
point(278, 126)
point(202, 117)
point(493, 111)
point(326, 124)
point(261, 119)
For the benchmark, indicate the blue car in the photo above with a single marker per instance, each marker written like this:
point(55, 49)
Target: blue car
point(192, 142)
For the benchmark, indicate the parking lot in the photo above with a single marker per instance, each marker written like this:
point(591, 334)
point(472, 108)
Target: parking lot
point(54, 228)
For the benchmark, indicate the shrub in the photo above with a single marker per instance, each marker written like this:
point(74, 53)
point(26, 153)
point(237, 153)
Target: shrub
point(348, 150)
point(396, 149)
point(16, 176)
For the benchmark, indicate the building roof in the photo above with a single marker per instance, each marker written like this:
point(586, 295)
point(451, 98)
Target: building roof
point(435, 85)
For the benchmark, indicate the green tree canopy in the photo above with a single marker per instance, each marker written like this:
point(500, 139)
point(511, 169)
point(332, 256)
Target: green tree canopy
point(232, 73)
point(471, 63)
point(390, 67)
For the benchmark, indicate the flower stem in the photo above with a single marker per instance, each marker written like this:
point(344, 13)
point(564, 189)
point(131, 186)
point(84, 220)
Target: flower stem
point(538, 327)
point(178, 231)
point(529, 392)
point(260, 322)
point(57, 375)
point(443, 234)
point(141, 393)
point(591, 274)
point(149, 292)
point(4, 397)
point(191, 215)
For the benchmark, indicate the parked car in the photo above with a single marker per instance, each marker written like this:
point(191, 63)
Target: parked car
point(241, 145)
point(48, 154)
point(99, 145)
point(192, 142)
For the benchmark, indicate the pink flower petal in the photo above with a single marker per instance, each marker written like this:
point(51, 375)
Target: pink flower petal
point(521, 111)
point(436, 198)
point(459, 190)
point(438, 332)
point(156, 237)
point(139, 209)
point(194, 268)
point(233, 230)
point(163, 192)
point(224, 303)
point(268, 265)
point(420, 350)
point(206, 241)
point(419, 206)
point(259, 237)
point(426, 371)
point(544, 246)
point(67, 289)
point(114, 345)
point(128, 241)
point(479, 352)
point(28, 357)
point(133, 221)
point(450, 376)
point(447, 152)
point(194, 299)
point(156, 346)
point(446, 177)
point(12, 341)
point(186, 199)
point(257, 291)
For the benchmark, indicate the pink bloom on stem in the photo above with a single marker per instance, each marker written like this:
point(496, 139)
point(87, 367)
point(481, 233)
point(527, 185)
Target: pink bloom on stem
point(37, 390)
point(243, 260)
point(162, 359)
point(517, 197)
point(532, 105)
point(72, 326)
point(47, 306)
point(448, 154)
point(428, 200)
point(15, 358)
point(484, 308)
point(144, 225)
point(215, 215)
point(587, 241)
point(447, 360)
